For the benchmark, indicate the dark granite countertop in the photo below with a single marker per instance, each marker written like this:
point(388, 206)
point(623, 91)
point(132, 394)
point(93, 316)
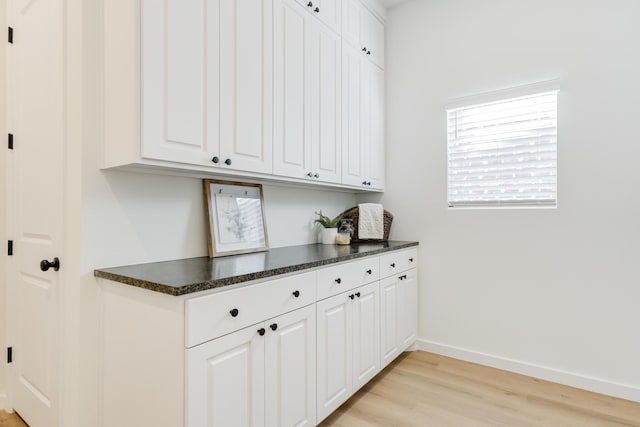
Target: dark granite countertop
point(186, 276)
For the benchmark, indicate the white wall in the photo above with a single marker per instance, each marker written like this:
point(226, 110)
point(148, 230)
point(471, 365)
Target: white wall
point(549, 292)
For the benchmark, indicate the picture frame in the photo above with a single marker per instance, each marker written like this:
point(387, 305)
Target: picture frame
point(236, 219)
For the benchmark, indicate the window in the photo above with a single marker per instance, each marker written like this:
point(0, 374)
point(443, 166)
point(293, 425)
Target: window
point(503, 152)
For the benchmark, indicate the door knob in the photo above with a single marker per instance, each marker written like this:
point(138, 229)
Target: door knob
point(352, 296)
point(310, 4)
point(234, 312)
point(358, 294)
point(296, 294)
point(227, 162)
point(46, 265)
point(215, 159)
point(316, 10)
point(273, 326)
point(261, 331)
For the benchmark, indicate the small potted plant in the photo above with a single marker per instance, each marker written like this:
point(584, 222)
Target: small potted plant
point(330, 227)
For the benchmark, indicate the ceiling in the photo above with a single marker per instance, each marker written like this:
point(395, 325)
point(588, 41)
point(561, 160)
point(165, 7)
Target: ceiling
point(391, 3)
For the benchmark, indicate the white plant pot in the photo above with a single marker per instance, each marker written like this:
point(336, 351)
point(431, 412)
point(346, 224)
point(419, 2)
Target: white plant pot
point(329, 236)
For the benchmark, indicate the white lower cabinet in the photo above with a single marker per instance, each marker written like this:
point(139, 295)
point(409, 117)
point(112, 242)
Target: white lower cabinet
point(348, 336)
point(263, 375)
point(282, 352)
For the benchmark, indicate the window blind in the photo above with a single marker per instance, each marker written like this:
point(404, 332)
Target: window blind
point(504, 153)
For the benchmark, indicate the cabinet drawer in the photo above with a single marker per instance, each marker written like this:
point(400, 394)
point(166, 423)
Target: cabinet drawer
point(396, 262)
point(211, 316)
point(343, 277)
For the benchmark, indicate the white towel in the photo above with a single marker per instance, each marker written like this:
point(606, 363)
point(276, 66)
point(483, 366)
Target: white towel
point(370, 221)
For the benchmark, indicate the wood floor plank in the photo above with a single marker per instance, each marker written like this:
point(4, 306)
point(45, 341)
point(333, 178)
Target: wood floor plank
point(10, 420)
point(425, 389)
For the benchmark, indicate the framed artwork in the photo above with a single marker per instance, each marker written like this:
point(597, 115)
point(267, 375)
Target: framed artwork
point(236, 218)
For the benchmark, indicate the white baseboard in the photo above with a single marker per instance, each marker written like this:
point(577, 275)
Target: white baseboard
point(623, 391)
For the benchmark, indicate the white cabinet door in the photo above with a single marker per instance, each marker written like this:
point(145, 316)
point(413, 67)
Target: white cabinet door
point(334, 364)
point(408, 309)
point(372, 37)
point(225, 381)
point(290, 387)
point(326, 103)
point(375, 147)
point(366, 334)
point(389, 319)
point(307, 95)
point(245, 84)
point(179, 45)
point(292, 93)
point(353, 143)
point(351, 10)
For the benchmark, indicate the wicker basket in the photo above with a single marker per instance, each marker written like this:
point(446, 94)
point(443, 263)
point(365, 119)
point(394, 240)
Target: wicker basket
point(353, 215)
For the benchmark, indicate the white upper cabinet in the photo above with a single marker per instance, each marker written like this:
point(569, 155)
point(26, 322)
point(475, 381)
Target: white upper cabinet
point(243, 88)
point(207, 83)
point(307, 94)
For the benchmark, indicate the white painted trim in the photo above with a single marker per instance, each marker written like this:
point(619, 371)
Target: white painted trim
point(597, 385)
point(502, 94)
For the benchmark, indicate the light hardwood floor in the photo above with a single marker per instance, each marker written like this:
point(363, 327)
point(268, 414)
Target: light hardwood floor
point(426, 390)
point(10, 420)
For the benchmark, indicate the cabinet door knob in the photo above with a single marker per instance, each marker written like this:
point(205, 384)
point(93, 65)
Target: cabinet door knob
point(273, 326)
point(368, 52)
point(316, 175)
point(364, 182)
point(261, 331)
point(316, 10)
point(369, 271)
point(296, 294)
point(309, 4)
point(358, 294)
point(215, 159)
point(393, 265)
point(410, 259)
point(352, 296)
point(310, 175)
point(364, 49)
point(369, 183)
point(338, 280)
point(45, 265)
point(227, 162)
point(234, 312)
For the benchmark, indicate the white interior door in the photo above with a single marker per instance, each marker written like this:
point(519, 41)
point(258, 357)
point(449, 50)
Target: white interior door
point(36, 200)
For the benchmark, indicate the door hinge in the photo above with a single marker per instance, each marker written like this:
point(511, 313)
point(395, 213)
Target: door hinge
point(9, 354)
point(10, 141)
point(10, 247)
point(10, 36)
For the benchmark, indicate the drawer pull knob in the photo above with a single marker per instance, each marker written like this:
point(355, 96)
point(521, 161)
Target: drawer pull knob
point(273, 326)
point(369, 271)
point(215, 159)
point(358, 294)
point(338, 280)
point(393, 265)
point(234, 312)
point(352, 296)
point(296, 294)
point(261, 331)
point(410, 259)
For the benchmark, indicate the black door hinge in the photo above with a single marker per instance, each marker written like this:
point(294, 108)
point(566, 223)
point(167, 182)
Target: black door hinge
point(10, 247)
point(10, 141)
point(10, 36)
point(9, 354)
